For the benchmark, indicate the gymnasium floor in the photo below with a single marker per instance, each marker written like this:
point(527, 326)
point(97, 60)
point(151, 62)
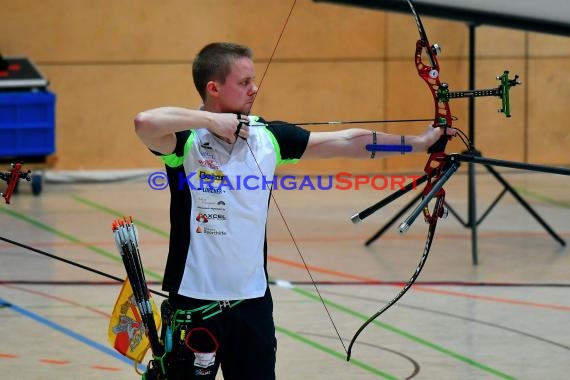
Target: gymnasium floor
point(508, 317)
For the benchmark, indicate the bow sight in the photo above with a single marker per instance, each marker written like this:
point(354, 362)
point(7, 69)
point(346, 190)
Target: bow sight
point(502, 91)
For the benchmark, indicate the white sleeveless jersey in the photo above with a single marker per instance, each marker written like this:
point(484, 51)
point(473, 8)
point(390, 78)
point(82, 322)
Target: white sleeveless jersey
point(229, 187)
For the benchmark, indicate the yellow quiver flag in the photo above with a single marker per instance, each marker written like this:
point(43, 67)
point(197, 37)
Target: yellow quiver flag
point(126, 330)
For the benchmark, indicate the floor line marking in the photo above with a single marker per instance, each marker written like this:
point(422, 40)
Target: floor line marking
point(70, 333)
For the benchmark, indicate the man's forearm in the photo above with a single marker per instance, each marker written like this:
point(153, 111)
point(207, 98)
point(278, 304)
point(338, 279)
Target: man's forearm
point(352, 143)
point(164, 121)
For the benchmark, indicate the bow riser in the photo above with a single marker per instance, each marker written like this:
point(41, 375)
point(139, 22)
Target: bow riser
point(442, 119)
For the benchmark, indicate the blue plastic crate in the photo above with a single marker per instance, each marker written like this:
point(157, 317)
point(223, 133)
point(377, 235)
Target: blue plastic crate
point(27, 123)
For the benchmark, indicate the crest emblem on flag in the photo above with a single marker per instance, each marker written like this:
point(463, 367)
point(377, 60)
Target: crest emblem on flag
point(126, 330)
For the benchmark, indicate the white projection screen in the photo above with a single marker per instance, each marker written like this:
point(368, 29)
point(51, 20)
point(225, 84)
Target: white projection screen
point(544, 16)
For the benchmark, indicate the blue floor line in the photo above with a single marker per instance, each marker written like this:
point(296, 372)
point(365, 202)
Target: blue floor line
point(68, 332)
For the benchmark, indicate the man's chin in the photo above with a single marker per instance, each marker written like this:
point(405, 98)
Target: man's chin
point(243, 111)
point(246, 110)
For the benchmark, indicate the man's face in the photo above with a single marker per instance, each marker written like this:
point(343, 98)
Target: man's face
point(238, 92)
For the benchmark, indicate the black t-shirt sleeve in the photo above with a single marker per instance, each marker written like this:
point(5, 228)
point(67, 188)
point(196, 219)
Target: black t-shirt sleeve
point(291, 138)
point(181, 138)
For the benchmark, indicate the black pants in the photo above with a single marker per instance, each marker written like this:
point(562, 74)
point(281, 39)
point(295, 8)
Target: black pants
point(242, 339)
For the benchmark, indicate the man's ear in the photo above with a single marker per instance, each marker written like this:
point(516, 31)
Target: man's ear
point(212, 89)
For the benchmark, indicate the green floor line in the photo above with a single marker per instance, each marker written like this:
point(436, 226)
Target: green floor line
point(340, 355)
point(405, 334)
point(110, 211)
point(543, 198)
point(357, 314)
point(336, 354)
point(109, 255)
point(73, 239)
point(67, 306)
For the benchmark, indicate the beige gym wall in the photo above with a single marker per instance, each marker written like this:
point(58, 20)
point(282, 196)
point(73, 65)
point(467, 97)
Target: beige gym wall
point(106, 60)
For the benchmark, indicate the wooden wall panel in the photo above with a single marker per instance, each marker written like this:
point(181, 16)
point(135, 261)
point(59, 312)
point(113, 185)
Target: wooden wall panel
point(97, 105)
point(497, 136)
point(545, 45)
point(171, 30)
point(322, 91)
point(101, 102)
point(327, 91)
point(492, 42)
point(321, 31)
point(549, 111)
point(402, 34)
point(109, 59)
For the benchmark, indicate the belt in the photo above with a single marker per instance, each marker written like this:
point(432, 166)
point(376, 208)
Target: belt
point(203, 312)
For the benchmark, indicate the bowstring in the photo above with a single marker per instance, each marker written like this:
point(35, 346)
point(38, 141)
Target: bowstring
point(271, 192)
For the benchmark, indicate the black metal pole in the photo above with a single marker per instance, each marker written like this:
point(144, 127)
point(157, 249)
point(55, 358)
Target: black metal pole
point(509, 164)
point(471, 188)
point(359, 217)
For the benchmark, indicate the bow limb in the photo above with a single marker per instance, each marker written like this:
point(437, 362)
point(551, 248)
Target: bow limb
point(436, 170)
point(406, 287)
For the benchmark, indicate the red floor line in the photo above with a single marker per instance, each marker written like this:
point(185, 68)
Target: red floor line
point(316, 239)
point(60, 299)
point(64, 362)
point(341, 275)
point(494, 299)
point(105, 368)
point(54, 361)
point(296, 264)
point(66, 301)
point(354, 277)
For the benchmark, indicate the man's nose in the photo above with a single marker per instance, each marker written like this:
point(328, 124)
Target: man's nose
point(254, 89)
